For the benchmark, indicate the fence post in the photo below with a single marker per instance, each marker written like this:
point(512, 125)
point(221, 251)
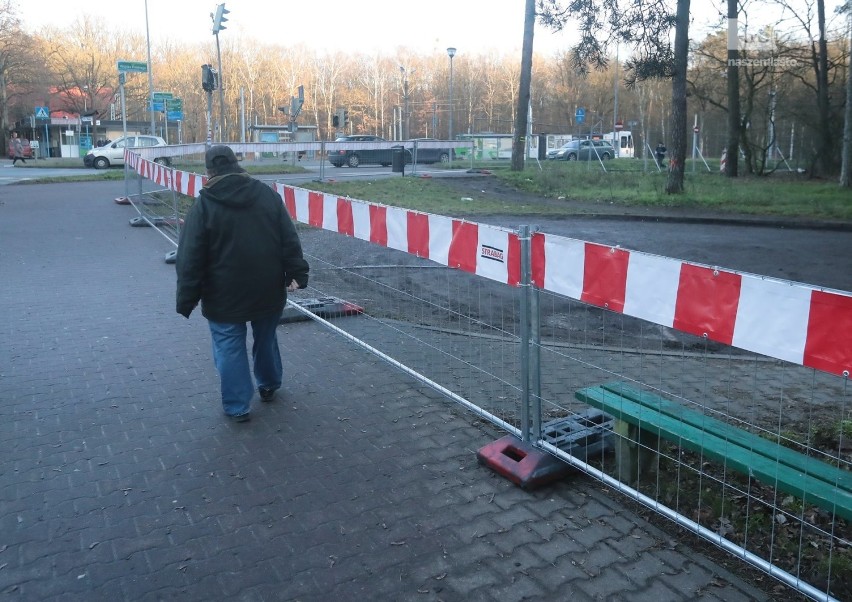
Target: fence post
point(126, 178)
point(139, 179)
point(524, 238)
point(171, 180)
point(535, 351)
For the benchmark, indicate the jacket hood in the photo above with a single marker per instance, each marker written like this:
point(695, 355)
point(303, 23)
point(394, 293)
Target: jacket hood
point(230, 189)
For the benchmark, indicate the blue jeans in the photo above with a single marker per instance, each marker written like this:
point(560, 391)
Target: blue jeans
point(231, 359)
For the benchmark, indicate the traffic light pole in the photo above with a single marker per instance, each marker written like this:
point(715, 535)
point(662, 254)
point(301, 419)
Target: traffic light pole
point(122, 79)
point(221, 93)
point(209, 118)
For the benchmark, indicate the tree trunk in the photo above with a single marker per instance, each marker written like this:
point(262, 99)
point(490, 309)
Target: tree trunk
point(846, 165)
point(732, 149)
point(519, 138)
point(674, 184)
point(825, 160)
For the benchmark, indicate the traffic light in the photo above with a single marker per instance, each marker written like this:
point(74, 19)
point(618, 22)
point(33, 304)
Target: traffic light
point(345, 118)
point(219, 18)
point(208, 78)
point(338, 119)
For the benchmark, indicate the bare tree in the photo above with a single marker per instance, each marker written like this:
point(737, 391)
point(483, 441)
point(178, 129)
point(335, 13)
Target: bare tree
point(674, 184)
point(19, 68)
point(646, 26)
point(823, 103)
point(519, 136)
point(846, 157)
point(732, 149)
point(369, 85)
point(818, 56)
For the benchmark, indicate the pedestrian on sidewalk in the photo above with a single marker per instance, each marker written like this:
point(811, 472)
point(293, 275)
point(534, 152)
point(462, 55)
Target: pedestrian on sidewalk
point(17, 149)
point(239, 254)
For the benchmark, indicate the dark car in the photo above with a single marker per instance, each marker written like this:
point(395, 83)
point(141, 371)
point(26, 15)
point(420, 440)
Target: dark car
point(362, 154)
point(583, 150)
point(423, 150)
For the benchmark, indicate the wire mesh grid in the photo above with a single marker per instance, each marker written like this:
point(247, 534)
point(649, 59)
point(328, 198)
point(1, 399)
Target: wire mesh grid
point(463, 332)
point(456, 329)
point(740, 399)
point(158, 205)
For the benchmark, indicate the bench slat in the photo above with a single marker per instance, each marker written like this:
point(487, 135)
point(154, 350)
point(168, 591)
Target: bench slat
point(784, 478)
point(815, 467)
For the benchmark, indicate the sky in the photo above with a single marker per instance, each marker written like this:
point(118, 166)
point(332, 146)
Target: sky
point(363, 25)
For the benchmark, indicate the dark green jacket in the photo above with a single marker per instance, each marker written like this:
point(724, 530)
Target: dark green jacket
point(238, 251)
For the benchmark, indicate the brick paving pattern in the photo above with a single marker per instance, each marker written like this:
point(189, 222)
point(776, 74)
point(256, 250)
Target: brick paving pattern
point(121, 480)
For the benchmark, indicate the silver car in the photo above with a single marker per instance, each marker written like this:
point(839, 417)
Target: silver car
point(112, 153)
point(583, 150)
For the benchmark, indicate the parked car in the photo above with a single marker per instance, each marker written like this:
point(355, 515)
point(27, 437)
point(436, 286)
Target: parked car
point(112, 153)
point(361, 156)
point(583, 150)
point(28, 151)
point(424, 154)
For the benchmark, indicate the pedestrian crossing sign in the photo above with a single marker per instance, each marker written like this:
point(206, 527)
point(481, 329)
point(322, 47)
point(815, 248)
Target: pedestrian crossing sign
point(42, 112)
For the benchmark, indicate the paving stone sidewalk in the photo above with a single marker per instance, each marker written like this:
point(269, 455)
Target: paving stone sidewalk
point(121, 480)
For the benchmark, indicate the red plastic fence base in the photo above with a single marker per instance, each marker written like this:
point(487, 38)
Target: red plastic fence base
point(521, 463)
point(324, 307)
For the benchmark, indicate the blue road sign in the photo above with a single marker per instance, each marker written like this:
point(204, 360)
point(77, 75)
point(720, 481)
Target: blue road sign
point(174, 115)
point(580, 115)
point(42, 112)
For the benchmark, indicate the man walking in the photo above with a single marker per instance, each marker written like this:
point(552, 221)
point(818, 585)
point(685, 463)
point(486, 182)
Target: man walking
point(660, 154)
point(239, 254)
point(17, 149)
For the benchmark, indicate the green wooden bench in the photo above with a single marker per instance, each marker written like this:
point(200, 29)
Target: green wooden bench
point(642, 417)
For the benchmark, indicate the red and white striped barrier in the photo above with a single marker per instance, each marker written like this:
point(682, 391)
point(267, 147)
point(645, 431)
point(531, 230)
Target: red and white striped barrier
point(780, 319)
point(487, 251)
point(776, 318)
point(184, 182)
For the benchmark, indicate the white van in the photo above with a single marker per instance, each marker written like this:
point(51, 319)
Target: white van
point(102, 157)
point(622, 142)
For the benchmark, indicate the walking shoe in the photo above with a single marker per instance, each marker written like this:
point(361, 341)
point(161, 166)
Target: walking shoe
point(239, 417)
point(266, 394)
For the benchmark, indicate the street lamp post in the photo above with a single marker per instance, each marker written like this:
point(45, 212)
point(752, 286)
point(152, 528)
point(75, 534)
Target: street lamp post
point(150, 74)
point(451, 52)
point(86, 110)
point(405, 126)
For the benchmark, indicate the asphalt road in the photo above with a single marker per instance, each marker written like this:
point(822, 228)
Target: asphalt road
point(811, 255)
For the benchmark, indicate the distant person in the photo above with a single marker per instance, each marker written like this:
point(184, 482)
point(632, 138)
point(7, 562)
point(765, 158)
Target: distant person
point(660, 154)
point(17, 149)
point(239, 254)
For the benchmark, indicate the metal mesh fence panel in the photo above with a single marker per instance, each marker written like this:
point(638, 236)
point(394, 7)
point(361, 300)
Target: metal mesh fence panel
point(750, 450)
point(455, 328)
point(748, 509)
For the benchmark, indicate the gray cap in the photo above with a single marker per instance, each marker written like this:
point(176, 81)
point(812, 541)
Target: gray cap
point(219, 156)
